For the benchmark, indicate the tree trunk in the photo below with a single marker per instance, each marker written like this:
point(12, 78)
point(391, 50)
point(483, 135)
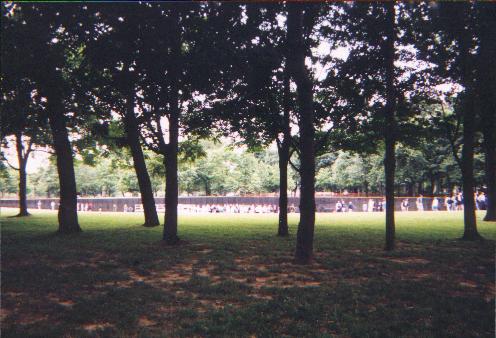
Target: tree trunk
point(171, 185)
point(410, 189)
point(22, 160)
point(449, 187)
point(208, 192)
point(487, 94)
point(171, 177)
point(490, 166)
point(468, 182)
point(67, 214)
point(432, 184)
point(283, 151)
point(297, 68)
point(283, 192)
point(469, 129)
point(145, 185)
point(390, 127)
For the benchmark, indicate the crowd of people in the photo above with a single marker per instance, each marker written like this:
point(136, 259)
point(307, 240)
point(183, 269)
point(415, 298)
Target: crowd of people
point(453, 202)
point(231, 208)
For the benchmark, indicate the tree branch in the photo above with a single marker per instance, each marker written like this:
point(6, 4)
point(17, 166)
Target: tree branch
point(293, 165)
point(3, 158)
point(451, 135)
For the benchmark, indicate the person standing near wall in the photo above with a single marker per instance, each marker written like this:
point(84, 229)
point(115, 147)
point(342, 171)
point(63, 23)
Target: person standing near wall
point(420, 203)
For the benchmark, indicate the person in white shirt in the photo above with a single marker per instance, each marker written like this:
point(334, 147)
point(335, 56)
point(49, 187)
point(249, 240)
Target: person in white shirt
point(435, 204)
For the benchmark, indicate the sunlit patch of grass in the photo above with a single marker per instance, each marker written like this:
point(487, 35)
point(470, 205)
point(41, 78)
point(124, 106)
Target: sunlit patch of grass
point(232, 276)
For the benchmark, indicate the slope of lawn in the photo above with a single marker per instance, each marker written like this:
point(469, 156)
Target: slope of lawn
point(232, 277)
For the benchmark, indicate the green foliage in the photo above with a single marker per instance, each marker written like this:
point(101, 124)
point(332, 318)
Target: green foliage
point(8, 182)
point(44, 182)
point(226, 170)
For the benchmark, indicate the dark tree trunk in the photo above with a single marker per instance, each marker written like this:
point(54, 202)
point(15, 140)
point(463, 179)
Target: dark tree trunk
point(171, 184)
point(410, 188)
point(297, 68)
point(283, 151)
point(67, 214)
point(490, 154)
point(469, 129)
point(390, 127)
point(449, 187)
point(487, 99)
point(432, 180)
point(283, 192)
point(171, 177)
point(468, 182)
point(145, 185)
point(22, 159)
point(208, 192)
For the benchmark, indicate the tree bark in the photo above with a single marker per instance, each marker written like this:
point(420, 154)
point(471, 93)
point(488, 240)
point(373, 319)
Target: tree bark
point(145, 185)
point(469, 117)
point(490, 166)
point(171, 183)
point(22, 160)
point(390, 126)
point(468, 181)
point(171, 177)
point(283, 151)
point(486, 84)
point(67, 214)
point(208, 192)
point(410, 188)
point(298, 71)
point(283, 191)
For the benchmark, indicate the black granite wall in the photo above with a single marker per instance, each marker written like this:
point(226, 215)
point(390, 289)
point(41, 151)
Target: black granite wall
point(323, 204)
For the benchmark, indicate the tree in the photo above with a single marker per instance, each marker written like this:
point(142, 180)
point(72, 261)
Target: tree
point(486, 87)
point(449, 40)
point(258, 102)
point(175, 74)
point(20, 111)
point(112, 55)
point(7, 184)
point(296, 53)
point(44, 57)
point(377, 84)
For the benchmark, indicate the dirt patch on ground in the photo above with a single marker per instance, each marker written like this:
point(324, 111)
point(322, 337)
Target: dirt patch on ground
point(410, 260)
point(469, 284)
point(97, 326)
point(146, 322)
point(4, 313)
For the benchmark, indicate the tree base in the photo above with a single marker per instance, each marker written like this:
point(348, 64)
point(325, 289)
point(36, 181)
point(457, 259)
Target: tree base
point(23, 214)
point(472, 237)
point(489, 218)
point(283, 234)
point(174, 240)
point(302, 259)
point(151, 225)
point(74, 230)
point(389, 247)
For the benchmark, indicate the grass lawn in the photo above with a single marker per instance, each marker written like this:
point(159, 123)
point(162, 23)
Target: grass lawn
point(232, 277)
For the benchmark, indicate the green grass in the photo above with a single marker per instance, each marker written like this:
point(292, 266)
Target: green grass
point(232, 277)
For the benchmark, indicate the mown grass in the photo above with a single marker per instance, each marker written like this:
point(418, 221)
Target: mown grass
point(232, 277)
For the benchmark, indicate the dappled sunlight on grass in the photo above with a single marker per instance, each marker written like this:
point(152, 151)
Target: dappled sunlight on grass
point(232, 276)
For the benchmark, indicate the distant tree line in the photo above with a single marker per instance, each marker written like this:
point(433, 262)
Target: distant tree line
point(223, 169)
point(117, 79)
